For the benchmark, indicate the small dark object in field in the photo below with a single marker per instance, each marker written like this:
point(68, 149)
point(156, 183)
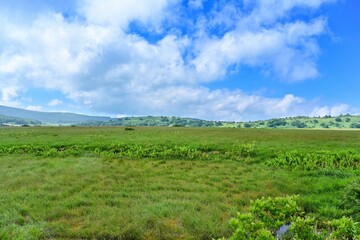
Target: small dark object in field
point(129, 129)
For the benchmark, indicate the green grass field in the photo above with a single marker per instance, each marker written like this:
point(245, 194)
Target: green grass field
point(162, 183)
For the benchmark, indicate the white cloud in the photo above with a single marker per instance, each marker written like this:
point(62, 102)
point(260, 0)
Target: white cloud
point(204, 103)
point(267, 12)
point(34, 108)
point(120, 13)
point(277, 47)
point(96, 61)
point(9, 92)
point(339, 109)
point(55, 102)
point(335, 110)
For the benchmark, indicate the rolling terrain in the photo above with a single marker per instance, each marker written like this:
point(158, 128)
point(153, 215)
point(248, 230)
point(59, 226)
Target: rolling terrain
point(16, 116)
point(327, 122)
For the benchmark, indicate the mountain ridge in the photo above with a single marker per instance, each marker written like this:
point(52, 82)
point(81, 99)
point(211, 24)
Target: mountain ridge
point(17, 116)
point(49, 117)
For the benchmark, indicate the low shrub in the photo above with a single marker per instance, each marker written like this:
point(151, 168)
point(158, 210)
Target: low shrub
point(282, 218)
point(351, 199)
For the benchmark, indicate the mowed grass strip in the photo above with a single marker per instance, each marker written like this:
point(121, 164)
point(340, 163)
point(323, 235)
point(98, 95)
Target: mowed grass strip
point(108, 198)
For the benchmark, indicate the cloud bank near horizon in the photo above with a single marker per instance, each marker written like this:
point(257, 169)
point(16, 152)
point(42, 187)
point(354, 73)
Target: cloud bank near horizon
point(157, 57)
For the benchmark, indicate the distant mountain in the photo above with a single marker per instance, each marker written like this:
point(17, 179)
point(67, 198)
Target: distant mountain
point(17, 116)
point(49, 117)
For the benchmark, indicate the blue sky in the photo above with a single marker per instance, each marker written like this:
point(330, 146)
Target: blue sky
point(220, 60)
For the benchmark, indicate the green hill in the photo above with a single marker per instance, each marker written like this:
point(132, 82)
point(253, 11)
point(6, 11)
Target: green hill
point(160, 121)
point(16, 116)
point(326, 122)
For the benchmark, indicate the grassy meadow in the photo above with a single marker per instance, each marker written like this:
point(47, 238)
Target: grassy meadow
point(163, 183)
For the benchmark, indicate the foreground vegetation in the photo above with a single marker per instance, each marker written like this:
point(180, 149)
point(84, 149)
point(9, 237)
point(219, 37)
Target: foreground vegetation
point(167, 183)
point(282, 218)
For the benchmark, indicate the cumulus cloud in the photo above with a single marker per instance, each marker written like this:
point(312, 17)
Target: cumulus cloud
point(34, 108)
point(335, 110)
point(289, 50)
point(121, 13)
point(212, 104)
point(96, 59)
point(268, 12)
point(55, 102)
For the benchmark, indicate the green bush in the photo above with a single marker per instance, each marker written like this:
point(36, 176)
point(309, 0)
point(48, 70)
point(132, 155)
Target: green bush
point(275, 212)
point(298, 124)
point(267, 215)
point(304, 228)
point(276, 122)
point(344, 228)
point(246, 226)
point(247, 125)
point(338, 119)
point(355, 125)
point(351, 199)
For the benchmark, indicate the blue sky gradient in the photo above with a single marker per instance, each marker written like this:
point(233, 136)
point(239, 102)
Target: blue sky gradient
point(219, 60)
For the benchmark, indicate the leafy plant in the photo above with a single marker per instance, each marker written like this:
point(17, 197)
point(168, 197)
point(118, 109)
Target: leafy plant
point(344, 228)
point(275, 212)
point(351, 199)
point(296, 160)
point(304, 228)
point(267, 215)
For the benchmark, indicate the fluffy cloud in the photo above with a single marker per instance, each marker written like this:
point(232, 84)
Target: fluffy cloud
point(267, 12)
point(121, 13)
point(211, 104)
point(96, 59)
point(332, 111)
point(289, 50)
point(55, 102)
point(8, 93)
point(34, 108)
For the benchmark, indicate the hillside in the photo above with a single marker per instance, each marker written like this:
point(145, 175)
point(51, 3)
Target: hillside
point(17, 116)
point(160, 121)
point(6, 120)
point(327, 122)
point(340, 122)
point(49, 117)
